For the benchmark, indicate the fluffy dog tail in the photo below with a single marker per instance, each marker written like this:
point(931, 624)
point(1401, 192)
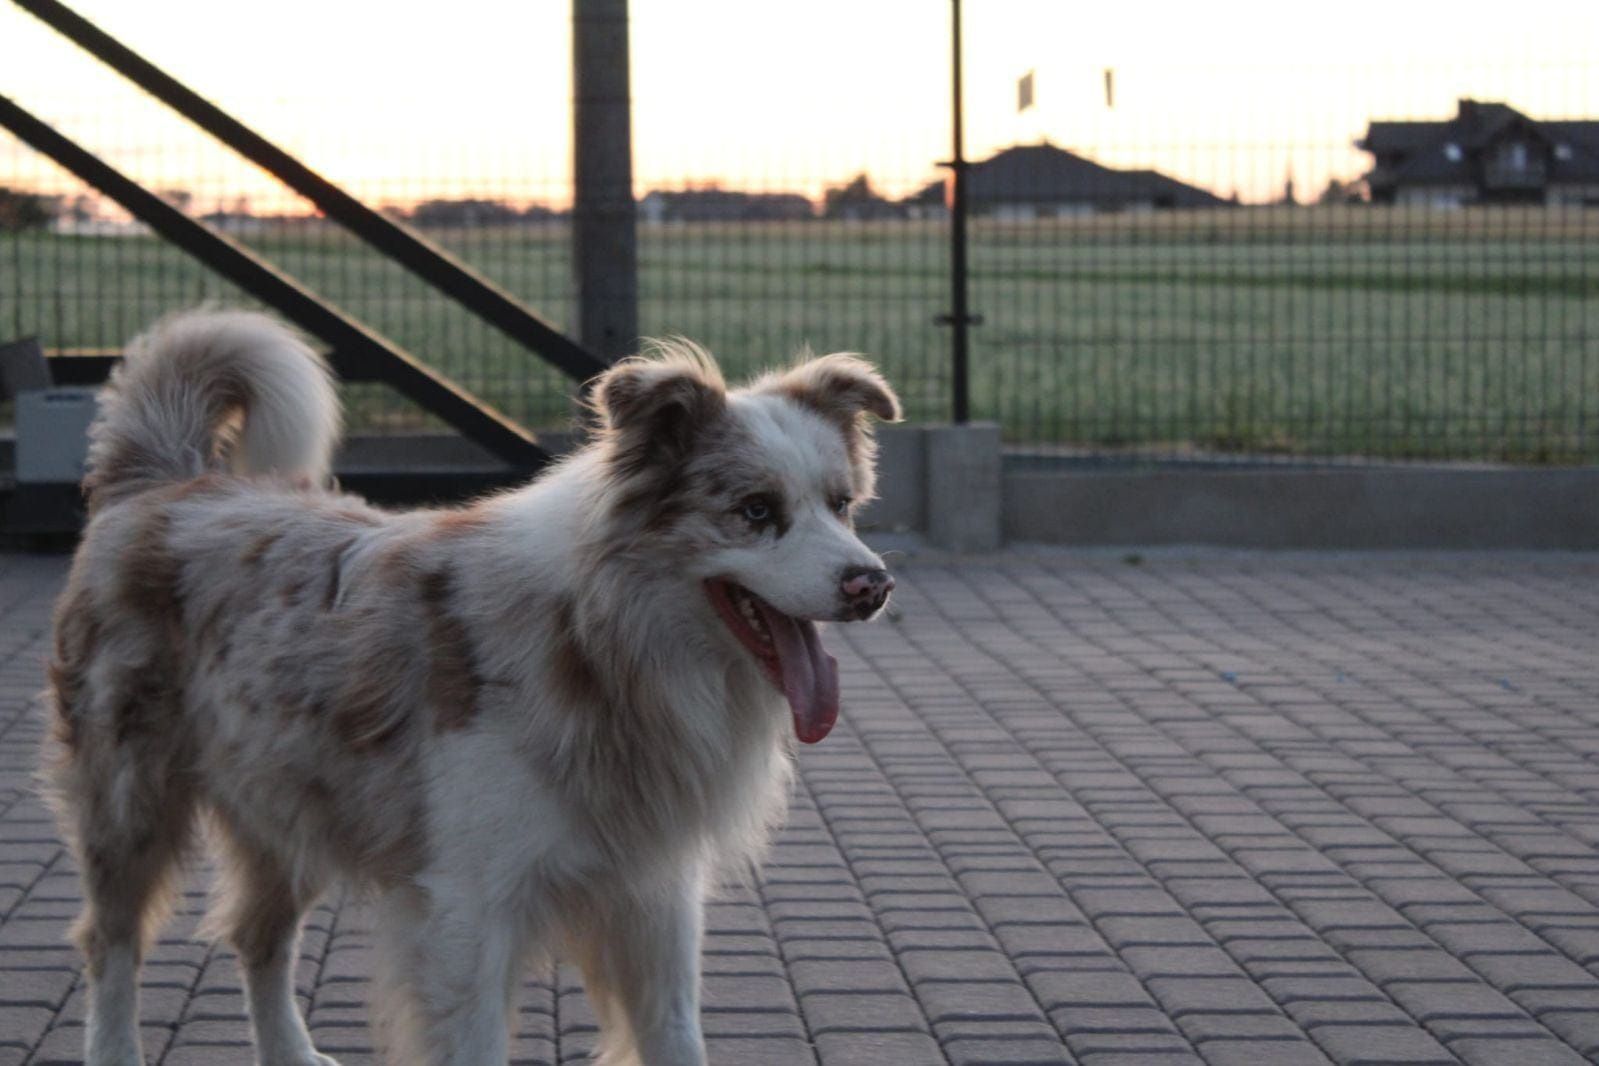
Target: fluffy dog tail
point(205, 391)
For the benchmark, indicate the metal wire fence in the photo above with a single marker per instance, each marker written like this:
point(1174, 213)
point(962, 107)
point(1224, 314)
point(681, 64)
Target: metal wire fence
point(1234, 291)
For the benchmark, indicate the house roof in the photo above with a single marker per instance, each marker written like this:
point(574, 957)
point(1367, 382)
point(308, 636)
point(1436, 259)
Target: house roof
point(1043, 173)
point(724, 196)
point(1439, 153)
point(1476, 123)
point(1383, 137)
point(1182, 194)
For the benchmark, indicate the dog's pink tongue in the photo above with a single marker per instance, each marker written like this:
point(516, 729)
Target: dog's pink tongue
point(810, 675)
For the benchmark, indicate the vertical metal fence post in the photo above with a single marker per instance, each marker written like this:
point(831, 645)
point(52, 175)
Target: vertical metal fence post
point(604, 237)
point(959, 318)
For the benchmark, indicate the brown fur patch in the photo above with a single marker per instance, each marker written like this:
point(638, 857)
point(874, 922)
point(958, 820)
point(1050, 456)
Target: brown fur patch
point(709, 473)
point(151, 575)
point(840, 388)
point(330, 595)
point(127, 847)
point(374, 706)
point(77, 637)
point(258, 548)
point(366, 718)
point(204, 485)
point(129, 883)
point(215, 628)
point(150, 590)
point(358, 516)
point(131, 459)
point(453, 683)
point(258, 908)
point(571, 669)
point(654, 415)
point(127, 464)
point(459, 522)
point(844, 390)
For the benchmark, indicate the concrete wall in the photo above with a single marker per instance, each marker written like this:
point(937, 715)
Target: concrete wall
point(901, 504)
point(1363, 507)
point(1395, 506)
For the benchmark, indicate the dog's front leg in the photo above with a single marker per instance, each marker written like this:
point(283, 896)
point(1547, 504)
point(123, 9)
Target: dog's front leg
point(448, 1001)
point(642, 967)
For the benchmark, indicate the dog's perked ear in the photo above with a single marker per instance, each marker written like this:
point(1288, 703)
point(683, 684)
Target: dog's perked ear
point(653, 407)
point(841, 387)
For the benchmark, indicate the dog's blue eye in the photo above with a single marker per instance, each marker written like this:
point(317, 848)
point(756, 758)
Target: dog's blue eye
point(757, 510)
point(841, 505)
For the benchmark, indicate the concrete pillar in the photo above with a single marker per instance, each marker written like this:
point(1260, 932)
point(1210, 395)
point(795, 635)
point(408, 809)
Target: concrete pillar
point(604, 240)
point(963, 487)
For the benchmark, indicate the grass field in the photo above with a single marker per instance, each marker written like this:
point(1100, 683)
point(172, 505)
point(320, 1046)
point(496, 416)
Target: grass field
point(1338, 331)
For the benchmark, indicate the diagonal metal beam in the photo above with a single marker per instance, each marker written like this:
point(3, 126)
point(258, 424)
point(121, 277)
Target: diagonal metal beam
point(421, 257)
point(358, 352)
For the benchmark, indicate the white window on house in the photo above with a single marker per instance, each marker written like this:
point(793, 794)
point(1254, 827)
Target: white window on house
point(1453, 153)
point(1518, 156)
point(1562, 151)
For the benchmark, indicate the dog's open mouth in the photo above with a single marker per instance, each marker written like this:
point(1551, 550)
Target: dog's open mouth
point(790, 653)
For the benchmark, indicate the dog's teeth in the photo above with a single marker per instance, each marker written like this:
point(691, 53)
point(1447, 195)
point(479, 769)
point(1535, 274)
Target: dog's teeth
point(752, 615)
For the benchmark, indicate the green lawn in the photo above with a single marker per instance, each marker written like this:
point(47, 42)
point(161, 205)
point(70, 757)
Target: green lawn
point(1359, 331)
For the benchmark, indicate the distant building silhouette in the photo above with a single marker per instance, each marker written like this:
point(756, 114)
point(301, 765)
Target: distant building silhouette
point(1042, 181)
point(1487, 153)
point(723, 205)
point(237, 223)
point(466, 212)
point(859, 202)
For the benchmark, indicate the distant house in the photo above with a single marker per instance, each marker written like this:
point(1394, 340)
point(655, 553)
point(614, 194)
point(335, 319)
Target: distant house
point(467, 212)
point(857, 201)
point(1043, 181)
point(928, 201)
point(723, 205)
point(1487, 153)
point(237, 223)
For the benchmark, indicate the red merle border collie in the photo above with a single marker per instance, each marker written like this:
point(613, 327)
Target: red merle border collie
point(545, 723)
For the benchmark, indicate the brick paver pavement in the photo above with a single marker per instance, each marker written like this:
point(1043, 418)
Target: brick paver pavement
point(1212, 807)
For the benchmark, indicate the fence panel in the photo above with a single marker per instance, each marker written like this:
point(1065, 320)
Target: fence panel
point(1226, 291)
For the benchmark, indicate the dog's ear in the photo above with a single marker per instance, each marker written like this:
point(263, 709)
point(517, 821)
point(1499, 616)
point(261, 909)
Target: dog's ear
point(652, 407)
point(841, 388)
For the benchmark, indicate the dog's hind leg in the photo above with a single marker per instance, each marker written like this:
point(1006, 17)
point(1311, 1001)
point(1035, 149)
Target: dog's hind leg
point(616, 1046)
point(129, 822)
point(259, 910)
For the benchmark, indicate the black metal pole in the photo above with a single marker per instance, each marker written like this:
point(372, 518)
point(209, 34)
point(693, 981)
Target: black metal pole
point(604, 235)
point(960, 316)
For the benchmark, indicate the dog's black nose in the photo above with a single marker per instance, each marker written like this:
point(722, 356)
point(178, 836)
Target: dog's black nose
point(866, 589)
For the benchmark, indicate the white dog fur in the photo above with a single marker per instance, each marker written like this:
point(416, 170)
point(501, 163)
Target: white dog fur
point(546, 723)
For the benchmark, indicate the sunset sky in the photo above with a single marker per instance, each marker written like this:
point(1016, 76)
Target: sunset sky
point(402, 102)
